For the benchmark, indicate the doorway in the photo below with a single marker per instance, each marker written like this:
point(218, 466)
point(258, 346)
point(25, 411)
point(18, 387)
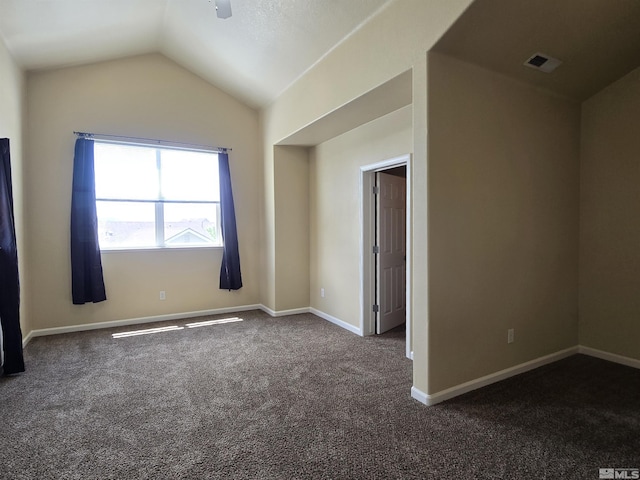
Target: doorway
point(385, 248)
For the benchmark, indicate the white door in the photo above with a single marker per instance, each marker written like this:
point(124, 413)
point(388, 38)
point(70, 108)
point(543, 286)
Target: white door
point(391, 258)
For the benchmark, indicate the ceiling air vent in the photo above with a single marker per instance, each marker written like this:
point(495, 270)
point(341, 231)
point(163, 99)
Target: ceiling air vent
point(543, 62)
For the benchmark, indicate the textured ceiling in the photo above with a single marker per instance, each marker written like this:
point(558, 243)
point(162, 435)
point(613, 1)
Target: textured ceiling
point(254, 55)
point(598, 41)
point(267, 44)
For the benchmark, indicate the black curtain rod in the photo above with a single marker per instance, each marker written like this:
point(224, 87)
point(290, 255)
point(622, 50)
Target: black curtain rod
point(151, 141)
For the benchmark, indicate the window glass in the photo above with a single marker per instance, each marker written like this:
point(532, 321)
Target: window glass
point(186, 223)
point(192, 176)
point(147, 196)
point(126, 224)
point(125, 172)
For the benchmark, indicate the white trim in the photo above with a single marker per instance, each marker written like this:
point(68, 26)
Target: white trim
point(109, 250)
point(27, 339)
point(367, 239)
point(611, 357)
point(419, 395)
point(268, 311)
point(179, 316)
point(409, 259)
point(491, 378)
point(135, 321)
point(392, 162)
point(336, 321)
point(283, 313)
point(317, 313)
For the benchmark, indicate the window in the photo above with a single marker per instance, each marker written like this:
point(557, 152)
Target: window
point(150, 196)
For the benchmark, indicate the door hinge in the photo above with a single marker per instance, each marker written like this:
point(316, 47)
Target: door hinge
point(376, 249)
point(376, 190)
point(376, 308)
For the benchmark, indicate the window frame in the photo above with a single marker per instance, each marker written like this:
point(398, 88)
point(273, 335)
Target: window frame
point(160, 202)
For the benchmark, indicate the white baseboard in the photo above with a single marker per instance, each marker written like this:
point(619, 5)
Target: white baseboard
point(489, 379)
point(135, 321)
point(612, 357)
point(179, 316)
point(336, 321)
point(27, 339)
point(317, 313)
point(419, 395)
point(518, 369)
point(283, 313)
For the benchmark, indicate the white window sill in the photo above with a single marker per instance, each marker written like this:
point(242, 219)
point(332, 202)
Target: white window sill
point(157, 249)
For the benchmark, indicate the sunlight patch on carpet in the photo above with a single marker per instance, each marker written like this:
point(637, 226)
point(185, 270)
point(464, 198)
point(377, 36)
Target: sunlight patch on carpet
point(213, 322)
point(146, 331)
point(174, 328)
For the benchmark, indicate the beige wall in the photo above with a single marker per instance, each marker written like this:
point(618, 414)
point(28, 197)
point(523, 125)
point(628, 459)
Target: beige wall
point(12, 119)
point(381, 49)
point(267, 230)
point(503, 222)
point(609, 228)
point(418, 217)
point(389, 44)
point(392, 42)
point(501, 164)
point(147, 96)
point(292, 227)
point(336, 209)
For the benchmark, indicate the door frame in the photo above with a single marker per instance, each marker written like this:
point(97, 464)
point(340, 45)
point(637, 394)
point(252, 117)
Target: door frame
point(367, 241)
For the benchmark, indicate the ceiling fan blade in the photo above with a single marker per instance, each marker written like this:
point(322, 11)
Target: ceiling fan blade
point(223, 8)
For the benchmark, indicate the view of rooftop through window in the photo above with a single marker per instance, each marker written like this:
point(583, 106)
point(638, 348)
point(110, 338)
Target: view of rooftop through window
point(150, 196)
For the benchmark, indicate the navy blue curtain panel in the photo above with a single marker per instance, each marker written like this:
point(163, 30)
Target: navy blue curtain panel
point(9, 280)
point(87, 283)
point(230, 277)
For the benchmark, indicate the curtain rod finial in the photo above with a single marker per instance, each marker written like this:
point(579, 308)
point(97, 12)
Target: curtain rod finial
point(83, 134)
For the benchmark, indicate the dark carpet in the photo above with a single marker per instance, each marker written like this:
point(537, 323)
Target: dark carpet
point(297, 397)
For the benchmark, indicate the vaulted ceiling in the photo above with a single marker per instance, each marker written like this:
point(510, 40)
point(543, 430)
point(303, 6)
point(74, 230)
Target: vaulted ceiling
point(268, 44)
point(254, 55)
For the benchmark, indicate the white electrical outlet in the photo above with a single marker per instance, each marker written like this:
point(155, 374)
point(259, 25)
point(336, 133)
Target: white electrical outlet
point(510, 335)
point(163, 295)
point(322, 292)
